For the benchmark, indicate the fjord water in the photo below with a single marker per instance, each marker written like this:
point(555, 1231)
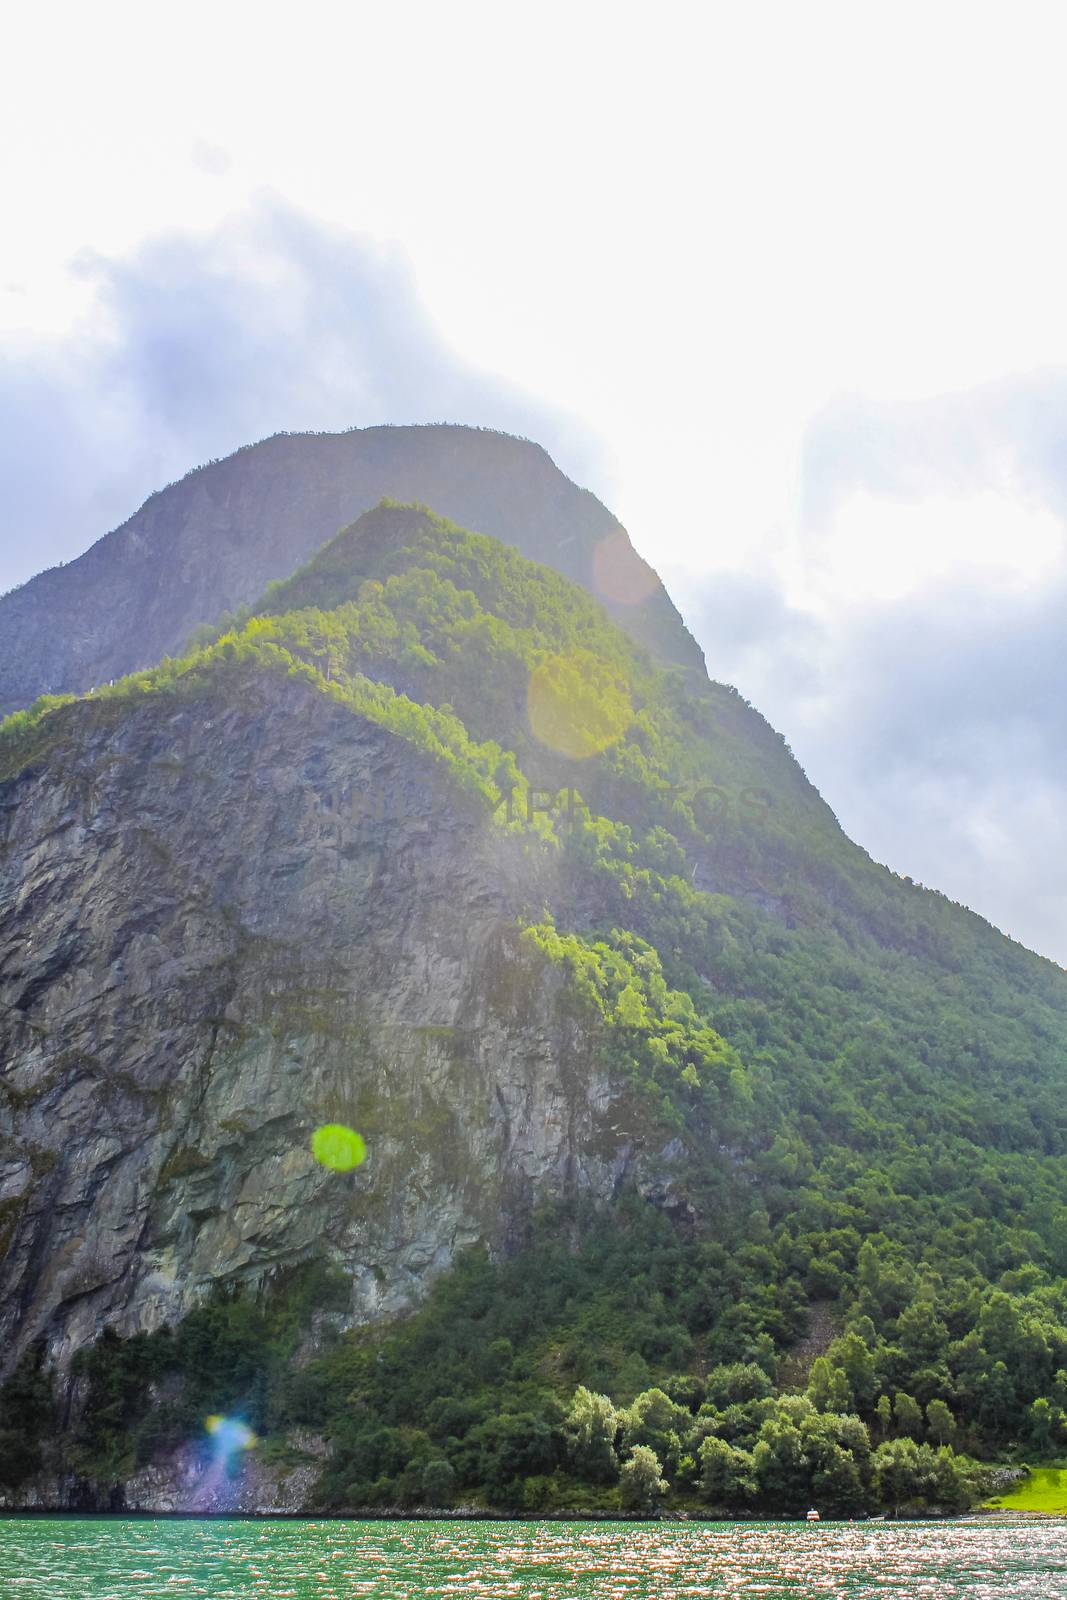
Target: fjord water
point(113, 1558)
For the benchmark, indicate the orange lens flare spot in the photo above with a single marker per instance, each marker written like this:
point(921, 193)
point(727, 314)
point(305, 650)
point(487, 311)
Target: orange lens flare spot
point(620, 574)
point(338, 1147)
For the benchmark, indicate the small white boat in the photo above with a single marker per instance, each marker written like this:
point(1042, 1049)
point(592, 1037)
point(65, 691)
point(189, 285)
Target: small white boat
point(813, 1515)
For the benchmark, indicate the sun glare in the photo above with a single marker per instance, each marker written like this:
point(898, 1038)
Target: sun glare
point(577, 704)
point(229, 1435)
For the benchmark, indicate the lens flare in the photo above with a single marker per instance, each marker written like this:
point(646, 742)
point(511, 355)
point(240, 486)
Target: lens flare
point(229, 1435)
point(577, 704)
point(338, 1147)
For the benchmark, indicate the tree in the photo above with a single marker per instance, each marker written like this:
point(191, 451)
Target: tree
point(632, 1377)
point(940, 1422)
point(851, 1353)
point(725, 1473)
point(684, 1390)
point(883, 1412)
point(589, 1429)
point(738, 1383)
point(654, 1420)
point(26, 1417)
point(438, 1482)
point(998, 1394)
point(921, 1333)
point(1041, 1418)
point(498, 1359)
point(514, 1445)
point(896, 1469)
point(998, 1324)
point(955, 1482)
point(641, 1483)
point(765, 1355)
point(828, 1387)
point(908, 1415)
point(630, 1010)
point(781, 1468)
point(837, 1450)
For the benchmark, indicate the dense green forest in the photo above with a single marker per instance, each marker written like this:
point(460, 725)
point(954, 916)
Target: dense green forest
point(859, 1085)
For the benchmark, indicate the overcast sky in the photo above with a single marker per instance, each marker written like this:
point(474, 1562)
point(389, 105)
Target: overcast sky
point(783, 284)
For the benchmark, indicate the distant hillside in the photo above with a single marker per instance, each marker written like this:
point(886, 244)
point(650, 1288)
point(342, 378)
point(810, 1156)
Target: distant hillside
point(213, 541)
point(690, 1130)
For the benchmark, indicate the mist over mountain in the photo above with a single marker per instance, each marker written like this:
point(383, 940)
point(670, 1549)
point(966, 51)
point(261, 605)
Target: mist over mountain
point(689, 1130)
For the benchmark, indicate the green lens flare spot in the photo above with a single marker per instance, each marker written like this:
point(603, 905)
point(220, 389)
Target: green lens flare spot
point(338, 1147)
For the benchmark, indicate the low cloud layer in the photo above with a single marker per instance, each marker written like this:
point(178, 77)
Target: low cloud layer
point(931, 713)
point(201, 343)
point(906, 635)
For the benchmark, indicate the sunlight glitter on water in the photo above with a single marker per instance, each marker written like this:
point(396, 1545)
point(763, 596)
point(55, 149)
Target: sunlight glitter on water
point(116, 1559)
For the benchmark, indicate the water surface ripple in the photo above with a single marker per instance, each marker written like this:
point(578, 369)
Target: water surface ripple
point(114, 1559)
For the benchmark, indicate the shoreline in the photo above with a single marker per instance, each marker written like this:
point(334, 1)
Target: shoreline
point(11, 1514)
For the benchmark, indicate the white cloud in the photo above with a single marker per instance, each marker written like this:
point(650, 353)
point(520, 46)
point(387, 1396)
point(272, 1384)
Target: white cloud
point(879, 550)
point(198, 343)
point(752, 247)
point(908, 637)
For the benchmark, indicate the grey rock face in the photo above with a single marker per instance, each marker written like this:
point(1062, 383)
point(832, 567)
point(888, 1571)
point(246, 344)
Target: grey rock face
point(222, 925)
point(217, 538)
point(189, 1483)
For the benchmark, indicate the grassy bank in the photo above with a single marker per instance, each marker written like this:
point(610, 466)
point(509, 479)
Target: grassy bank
point(1044, 1490)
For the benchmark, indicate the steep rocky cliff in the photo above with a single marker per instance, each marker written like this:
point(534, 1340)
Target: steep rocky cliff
point(430, 847)
point(234, 906)
point(223, 925)
point(214, 541)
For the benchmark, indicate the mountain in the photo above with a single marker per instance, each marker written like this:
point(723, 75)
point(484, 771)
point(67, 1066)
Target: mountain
point(698, 1145)
point(212, 542)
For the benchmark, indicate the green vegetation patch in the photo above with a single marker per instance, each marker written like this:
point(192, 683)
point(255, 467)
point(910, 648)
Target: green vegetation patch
point(1044, 1489)
point(859, 1088)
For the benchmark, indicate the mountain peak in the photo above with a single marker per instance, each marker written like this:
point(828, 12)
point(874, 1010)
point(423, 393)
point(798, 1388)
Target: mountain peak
point(214, 540)
point(430, 852)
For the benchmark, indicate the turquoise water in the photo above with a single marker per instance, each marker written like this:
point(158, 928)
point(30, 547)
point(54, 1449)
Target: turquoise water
point(113, 1559)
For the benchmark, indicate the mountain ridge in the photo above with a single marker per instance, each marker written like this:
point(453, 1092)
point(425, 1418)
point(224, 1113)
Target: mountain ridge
point(649, 1057)
point(211, 542)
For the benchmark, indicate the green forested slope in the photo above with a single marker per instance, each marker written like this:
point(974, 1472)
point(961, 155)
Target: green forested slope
point(857, 1086)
